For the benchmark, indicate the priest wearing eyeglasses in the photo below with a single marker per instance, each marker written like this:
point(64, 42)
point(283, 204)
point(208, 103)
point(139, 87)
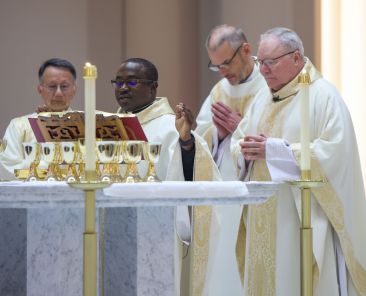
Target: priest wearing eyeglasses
point(267, 147)
point(57, 88)
point(184, 156)
point(230, 55)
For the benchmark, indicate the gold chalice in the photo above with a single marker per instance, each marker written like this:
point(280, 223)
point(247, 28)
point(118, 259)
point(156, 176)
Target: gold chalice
point(132, 152)
point(151, 154)
point(70, 154)
point(32, 154)
point(3, 143)
point(118, 159)
point(107, 151)
point(51, 153)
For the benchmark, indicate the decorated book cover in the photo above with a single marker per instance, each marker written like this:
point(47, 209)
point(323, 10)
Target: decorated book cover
point(58, 127)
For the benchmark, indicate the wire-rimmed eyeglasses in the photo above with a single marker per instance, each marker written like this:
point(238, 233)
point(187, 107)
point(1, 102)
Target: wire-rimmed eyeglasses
point(224, 65)
point(52, 88)
point(118, 84)
point(271, 62)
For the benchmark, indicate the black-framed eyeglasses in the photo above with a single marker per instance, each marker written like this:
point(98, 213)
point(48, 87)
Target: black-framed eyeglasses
point(271, 62)
point(224, 65)
point(118, 84)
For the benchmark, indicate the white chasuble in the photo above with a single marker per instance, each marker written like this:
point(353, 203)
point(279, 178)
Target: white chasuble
point(270, 255)
point(223, 277)
point(238, 97)
point(17, 132)
point(158, 123)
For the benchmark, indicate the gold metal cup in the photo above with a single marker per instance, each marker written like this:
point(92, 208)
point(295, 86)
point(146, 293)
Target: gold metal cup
point(51, 153)
point(70, 154)
point(151, 155)
point(132, 152)
point(32, 154)
point(118, 159)
point(107, 151)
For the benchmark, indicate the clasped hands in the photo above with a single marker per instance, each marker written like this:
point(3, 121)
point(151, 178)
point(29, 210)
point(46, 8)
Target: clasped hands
point(225, 119)
point(253, 147)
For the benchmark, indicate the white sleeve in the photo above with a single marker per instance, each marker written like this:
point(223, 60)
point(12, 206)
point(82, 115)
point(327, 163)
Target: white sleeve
point(243, 173)
point(281, 161)
point(218, 148)
point(12, 158)
point(183, 224)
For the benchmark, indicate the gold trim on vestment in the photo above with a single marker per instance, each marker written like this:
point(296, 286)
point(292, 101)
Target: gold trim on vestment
point(201, 225)
point(262, 218)
point(331, 204)
point(262, 241)
point(158, 108)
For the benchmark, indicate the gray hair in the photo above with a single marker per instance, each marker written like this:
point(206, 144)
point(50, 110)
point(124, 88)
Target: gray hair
point(288, 38)
point(225, 33)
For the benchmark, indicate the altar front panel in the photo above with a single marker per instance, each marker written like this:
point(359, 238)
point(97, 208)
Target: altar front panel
point(44, 245)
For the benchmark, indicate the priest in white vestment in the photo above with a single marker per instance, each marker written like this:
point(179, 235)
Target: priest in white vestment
point(57, 87)
point(266, 146)
point(184, 156)
point(230, 55)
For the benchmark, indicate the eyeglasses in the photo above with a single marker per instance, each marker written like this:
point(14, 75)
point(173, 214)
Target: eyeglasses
point(224, 65)
point(271, 62)
point(118, 84)
point(52, 89)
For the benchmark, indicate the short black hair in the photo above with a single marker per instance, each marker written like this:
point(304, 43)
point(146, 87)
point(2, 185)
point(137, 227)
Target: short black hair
point(57, 63)
point(151, 71)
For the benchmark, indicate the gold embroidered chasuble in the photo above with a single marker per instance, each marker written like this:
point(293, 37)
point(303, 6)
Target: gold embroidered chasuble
point(262, 253)
point(158, 122)
point(238, 97)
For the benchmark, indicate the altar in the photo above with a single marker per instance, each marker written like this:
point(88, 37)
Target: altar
point(42, 229)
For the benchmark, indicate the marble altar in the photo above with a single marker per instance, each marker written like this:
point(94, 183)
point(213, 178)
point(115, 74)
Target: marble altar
point(42, 225)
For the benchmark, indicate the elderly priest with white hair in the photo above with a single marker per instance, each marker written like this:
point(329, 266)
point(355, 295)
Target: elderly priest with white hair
point(266, 146)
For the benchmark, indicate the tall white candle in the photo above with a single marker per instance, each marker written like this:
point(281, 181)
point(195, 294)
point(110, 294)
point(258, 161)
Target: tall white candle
point(90, 75)
point(304, 80)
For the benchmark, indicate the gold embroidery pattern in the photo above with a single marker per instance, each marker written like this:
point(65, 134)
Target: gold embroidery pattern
point(239, 104)
point(263, 217)
point(207, 136)
point(199, 256)
point(158, 108)
point(262, 241)
point(201, 231)
point(331, 204)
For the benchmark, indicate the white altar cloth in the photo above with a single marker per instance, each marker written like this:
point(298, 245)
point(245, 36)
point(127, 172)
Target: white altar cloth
point(42, 226)
point(18, 194)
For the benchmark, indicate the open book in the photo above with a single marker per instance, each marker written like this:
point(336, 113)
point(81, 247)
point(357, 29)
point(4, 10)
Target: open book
point(58, 127)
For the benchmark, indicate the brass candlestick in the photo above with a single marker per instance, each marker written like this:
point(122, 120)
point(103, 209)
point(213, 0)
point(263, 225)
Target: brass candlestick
point(90, 185)
point(306, 231)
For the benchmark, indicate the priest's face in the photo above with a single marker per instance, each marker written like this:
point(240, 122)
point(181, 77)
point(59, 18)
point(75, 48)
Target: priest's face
point(133, 88)
point(277, 64)
point(234, 64)
point(57, 88)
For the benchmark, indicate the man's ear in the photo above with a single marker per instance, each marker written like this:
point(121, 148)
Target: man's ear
point(39, 89)
point(153, 90)
point(297, 57)
point(246, 47)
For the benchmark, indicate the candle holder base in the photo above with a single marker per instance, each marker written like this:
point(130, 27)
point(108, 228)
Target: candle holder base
point(306, 183)
point(89, 185)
